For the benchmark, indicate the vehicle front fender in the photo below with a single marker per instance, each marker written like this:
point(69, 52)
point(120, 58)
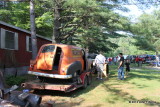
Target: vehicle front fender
point(75, 66)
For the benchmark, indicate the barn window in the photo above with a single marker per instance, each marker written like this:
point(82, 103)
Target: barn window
point(28, 44)
point(9, 39)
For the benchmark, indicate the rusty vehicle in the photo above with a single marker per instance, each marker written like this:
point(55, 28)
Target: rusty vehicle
point(60, 62)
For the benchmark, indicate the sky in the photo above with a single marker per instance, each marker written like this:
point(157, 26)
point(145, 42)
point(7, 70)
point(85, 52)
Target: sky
point(137, 7)
point(135, 12)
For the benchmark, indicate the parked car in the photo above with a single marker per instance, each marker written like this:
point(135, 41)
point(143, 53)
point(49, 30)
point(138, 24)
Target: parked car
point(150, 58)
point(132, 58)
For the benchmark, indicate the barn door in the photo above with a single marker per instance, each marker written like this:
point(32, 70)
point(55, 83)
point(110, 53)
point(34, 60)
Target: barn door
point(46, 58)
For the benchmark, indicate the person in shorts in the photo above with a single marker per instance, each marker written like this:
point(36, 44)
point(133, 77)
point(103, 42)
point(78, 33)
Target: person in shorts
point(100, 60)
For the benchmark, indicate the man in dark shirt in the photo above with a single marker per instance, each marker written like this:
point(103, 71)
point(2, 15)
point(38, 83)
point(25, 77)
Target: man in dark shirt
point(121, 67)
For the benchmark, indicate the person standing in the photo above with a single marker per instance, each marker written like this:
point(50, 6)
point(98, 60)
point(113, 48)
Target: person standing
point(100, 60)
point(110, 60)
point(127, 67)
point(140, 61)
point(157, 61)
point(121, 67)
point(137, 60)
point(114, 60)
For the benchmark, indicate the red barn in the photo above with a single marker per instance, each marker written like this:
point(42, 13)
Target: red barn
point(15, 49)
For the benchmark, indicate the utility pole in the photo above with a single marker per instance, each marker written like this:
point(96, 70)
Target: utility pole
point(33, 30)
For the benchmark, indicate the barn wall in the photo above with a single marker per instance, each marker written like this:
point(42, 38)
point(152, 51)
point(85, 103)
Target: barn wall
point(17, 61)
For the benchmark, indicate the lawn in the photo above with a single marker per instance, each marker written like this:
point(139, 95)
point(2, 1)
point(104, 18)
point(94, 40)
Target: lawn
point(141, 85)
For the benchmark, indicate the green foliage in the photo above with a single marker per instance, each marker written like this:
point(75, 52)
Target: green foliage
point(127, 47)
point(147, 31)
point(95, 38)
point(87, 23)
point(12, 80)
point(44, 24)
point(100, 24)
point(17, 13)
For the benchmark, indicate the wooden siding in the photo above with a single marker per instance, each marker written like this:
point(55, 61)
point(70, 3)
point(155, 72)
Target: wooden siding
point(19, 57)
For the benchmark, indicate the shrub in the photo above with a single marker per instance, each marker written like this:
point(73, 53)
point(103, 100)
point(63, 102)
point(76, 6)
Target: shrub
point(12, 80)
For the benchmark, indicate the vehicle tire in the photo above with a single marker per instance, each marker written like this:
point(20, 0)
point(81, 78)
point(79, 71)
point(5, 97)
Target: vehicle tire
point(85, 82)
point(89, 79)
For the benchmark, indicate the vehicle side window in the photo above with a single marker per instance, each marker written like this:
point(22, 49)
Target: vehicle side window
point(49, 48)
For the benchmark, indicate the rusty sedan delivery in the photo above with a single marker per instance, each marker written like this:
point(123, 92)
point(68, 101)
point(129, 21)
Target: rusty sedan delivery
point(59, 61)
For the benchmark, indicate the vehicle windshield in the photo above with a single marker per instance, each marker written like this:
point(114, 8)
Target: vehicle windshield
point(49, 48)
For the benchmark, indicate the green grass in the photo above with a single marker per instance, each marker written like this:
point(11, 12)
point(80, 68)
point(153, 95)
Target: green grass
point(141, 85)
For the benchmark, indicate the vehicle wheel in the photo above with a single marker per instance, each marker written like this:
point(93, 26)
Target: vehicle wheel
point(89, 79)
point(85, 83)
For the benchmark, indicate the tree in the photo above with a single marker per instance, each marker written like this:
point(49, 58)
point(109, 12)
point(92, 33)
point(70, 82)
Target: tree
point(76, 22)
point(17, 13)
point(147, 31)
point(33, 30)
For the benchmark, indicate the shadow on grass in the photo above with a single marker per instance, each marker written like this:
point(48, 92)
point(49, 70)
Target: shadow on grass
point(116, 92)
point(65, 103)
point(141, 75)
point(127, 97)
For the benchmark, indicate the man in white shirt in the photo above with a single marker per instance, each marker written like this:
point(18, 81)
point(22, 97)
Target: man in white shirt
point(100, 60)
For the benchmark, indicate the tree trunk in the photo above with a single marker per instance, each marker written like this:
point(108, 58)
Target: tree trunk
point(33, 30)
point(57, 23)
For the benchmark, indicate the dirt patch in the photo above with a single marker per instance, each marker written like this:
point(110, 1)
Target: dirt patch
point(63, 101)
